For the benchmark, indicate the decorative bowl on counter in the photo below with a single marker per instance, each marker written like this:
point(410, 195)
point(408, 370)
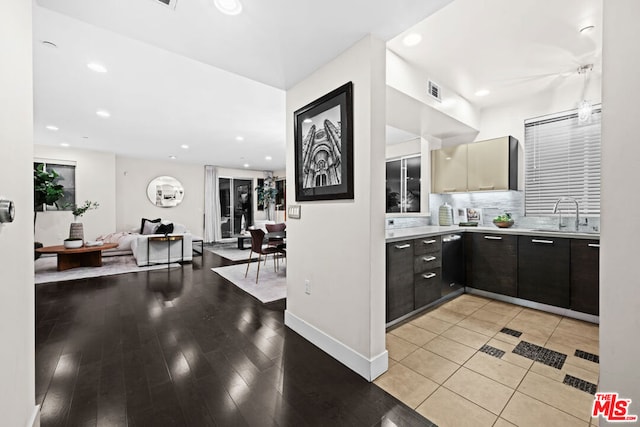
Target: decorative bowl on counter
point(503, 224)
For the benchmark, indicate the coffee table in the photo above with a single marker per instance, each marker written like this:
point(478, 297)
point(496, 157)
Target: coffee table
point(86, 256)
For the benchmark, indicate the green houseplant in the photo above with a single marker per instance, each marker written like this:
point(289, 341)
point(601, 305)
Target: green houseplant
point(78, 211)
point(267, 195)
point(46, 191)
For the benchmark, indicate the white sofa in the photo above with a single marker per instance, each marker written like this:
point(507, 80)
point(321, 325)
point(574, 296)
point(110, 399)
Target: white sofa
point(162, 251)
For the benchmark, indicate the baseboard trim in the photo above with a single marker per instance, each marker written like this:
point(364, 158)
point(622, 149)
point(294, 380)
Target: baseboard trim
point(369, 369)
point(34, 421)
point(535, 305)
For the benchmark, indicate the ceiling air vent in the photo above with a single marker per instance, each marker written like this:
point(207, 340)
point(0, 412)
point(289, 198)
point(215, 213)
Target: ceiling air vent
point(168, 3)
point(434, 91)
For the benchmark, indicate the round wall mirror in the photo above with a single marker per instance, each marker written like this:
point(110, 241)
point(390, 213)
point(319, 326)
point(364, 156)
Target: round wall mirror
point(165, 192)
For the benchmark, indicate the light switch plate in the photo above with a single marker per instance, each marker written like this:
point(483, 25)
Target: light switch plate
point(293, 211)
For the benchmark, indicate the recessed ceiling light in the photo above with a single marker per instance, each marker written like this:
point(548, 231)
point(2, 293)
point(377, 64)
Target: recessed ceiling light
point(47, 43)
point(268, 158)
point(172, 157)
point(85, 137)
point(98, 68)
point(64, 144)
point(586, 29)
point(103, 113)
point(52, 127)
point(482, 92)
point(412, 39)
point(307, 121)
point(239, 138)
point(246, 165)
point(184, 146)
point(228, 7)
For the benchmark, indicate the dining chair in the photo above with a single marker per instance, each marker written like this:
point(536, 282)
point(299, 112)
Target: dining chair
point(257, 239)
point(278, 243)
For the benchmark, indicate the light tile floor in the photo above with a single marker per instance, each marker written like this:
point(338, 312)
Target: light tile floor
point(435, 366)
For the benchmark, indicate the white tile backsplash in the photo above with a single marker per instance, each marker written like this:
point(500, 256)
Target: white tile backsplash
point(492, 203)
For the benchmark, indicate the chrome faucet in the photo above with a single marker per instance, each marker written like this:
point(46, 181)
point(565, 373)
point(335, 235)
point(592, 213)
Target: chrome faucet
point(567, 199)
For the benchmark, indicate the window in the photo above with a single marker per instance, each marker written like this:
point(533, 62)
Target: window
point(403, 185)
point(67, 178)
point(562, 159)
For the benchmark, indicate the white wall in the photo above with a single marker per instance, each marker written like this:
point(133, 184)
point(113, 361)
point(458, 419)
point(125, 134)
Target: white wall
point(401, 149)
point(619, 296)
point(17, 360)
point(412, 81)
point(132, 178)
point(95, 181)
point(509, 119)
point(339, 246)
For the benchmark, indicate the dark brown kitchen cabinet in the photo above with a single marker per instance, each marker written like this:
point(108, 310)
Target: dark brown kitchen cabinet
point(400, 259)
point(585, 272)
point(544, 270)
point(492, 262)
point(427, 265)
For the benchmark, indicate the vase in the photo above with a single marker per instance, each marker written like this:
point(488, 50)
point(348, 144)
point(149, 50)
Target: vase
point(270, 211)
point(76, 231)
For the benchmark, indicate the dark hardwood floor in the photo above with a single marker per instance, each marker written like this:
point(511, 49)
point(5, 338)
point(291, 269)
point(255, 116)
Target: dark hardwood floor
point(185, 347)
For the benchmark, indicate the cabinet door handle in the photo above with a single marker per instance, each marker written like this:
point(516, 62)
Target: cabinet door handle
point(429, 258)
point(429, 275)
point(486, 187)
point(546, 242)
point(493, 238)
point(593, 245)
point(405, 246)
point(428, 242)
point(448, 190)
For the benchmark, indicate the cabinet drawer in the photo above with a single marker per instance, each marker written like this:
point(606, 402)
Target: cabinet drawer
point(426, 262)
point(428, 245)
point(426, 287)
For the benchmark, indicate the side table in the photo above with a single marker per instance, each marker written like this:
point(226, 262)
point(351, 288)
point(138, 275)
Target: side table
point(167, 239)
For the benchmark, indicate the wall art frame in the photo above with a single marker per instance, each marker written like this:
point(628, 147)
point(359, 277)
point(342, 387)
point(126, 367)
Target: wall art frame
point(323, 143)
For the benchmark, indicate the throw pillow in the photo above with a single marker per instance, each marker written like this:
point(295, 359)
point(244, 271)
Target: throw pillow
point(150, 227)
point(155, 223)
point(165, 229)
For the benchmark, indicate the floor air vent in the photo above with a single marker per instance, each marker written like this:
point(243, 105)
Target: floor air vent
point(434, 90)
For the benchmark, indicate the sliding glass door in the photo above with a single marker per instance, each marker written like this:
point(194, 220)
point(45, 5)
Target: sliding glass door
point(236, 205)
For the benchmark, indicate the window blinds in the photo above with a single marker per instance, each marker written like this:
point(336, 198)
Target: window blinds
point(562, 159)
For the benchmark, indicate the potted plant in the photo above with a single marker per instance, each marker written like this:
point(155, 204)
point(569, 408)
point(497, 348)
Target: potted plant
point(46, 191)
point(76, 230)
point(267, 196)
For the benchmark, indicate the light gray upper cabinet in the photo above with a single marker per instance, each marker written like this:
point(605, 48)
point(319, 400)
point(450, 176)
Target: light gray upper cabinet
point(480, 166)
point(449, 169)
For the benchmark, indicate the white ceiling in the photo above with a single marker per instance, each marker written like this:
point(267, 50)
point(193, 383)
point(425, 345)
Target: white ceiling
point(513, 48)
point(191, 76)
point(194, 76)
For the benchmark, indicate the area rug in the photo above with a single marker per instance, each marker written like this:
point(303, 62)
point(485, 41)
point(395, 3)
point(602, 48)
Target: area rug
point(45, 269)
point(271, 285)
point(231, 252)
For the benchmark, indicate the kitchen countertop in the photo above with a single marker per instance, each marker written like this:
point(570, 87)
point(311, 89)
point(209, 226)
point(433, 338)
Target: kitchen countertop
point(433, 230)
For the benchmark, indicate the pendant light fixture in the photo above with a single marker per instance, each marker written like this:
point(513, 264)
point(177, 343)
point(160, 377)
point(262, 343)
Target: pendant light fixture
point(585, 107)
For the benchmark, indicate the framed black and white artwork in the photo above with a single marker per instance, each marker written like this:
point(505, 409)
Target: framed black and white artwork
point(323, 139)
